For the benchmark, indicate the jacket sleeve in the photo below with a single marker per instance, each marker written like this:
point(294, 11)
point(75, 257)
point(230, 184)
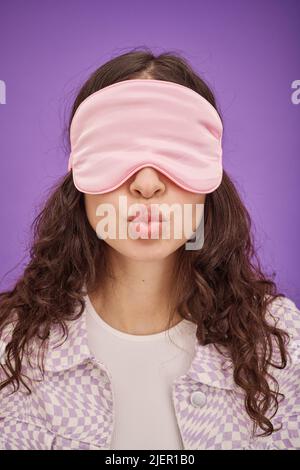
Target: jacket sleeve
point(18, 428)
point(288, 414)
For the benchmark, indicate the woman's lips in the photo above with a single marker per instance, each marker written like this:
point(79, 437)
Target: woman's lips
point(148, 230)
point(148, 224)
point(146, 216)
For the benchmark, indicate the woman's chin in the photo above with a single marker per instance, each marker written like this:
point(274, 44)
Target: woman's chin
point(143, 249)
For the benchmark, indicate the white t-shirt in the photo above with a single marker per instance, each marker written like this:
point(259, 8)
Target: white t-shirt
point(143, 368)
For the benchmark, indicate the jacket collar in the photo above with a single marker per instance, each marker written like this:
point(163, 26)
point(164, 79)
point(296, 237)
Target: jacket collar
point(208, 366)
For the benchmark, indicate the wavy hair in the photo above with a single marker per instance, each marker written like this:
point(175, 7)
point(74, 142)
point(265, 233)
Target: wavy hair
point(221, 287)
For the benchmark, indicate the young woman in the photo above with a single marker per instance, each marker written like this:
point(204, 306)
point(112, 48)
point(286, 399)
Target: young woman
point(136, 342)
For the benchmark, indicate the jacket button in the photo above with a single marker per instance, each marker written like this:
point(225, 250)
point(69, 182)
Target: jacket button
point(198, 399)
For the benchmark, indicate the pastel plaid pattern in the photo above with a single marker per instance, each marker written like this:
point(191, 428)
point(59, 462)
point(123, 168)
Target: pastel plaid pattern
point(73, 406)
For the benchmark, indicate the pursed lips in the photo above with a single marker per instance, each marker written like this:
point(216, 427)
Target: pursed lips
point(146, 216)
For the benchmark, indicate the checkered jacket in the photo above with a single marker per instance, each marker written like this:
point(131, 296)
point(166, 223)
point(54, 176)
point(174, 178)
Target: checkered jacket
point(73, 406)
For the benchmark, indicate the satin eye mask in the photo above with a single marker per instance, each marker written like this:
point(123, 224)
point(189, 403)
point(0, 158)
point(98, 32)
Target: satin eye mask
point(138, 123)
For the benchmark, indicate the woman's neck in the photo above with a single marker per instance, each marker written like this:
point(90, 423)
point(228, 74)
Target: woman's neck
point(137, 300)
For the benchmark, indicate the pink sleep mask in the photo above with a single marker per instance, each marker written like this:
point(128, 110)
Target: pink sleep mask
point(137, 123)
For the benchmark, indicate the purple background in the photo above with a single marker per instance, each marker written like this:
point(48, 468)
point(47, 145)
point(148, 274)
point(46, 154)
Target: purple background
point(248, 51)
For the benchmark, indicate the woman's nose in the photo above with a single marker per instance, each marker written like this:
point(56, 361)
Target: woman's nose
point(147, 182)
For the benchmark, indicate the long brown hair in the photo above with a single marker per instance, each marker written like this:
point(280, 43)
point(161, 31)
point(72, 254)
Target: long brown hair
point(221, 287)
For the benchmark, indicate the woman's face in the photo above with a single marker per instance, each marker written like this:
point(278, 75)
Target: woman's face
point(145, 240)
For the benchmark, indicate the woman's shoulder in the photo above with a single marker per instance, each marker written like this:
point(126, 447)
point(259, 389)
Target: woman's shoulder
point(6, 333)
point(284, 311)
point(284, 314)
